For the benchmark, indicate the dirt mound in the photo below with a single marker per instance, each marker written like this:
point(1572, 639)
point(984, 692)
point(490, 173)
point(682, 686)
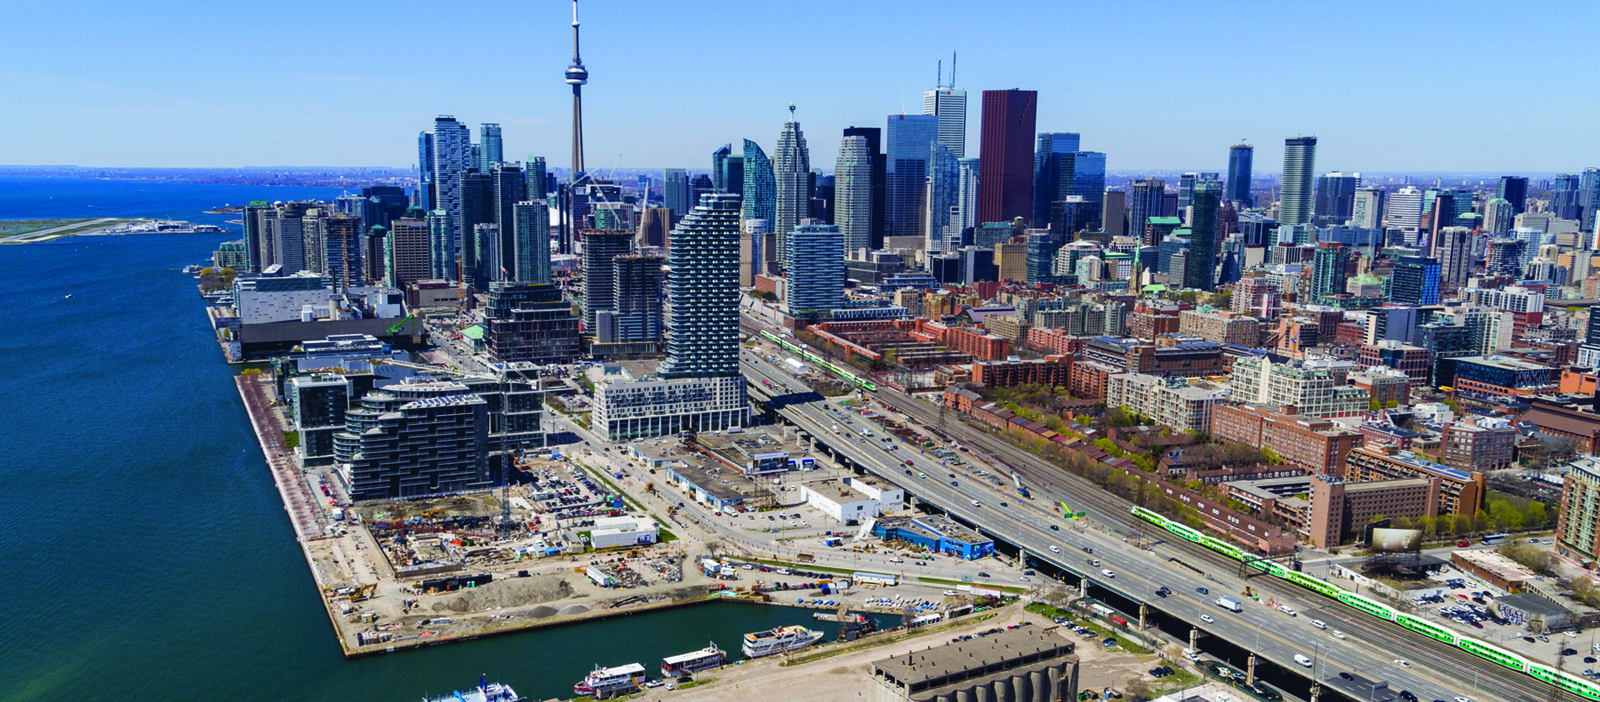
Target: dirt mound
point(542, 612)
point(506, 593)
point(574, 609)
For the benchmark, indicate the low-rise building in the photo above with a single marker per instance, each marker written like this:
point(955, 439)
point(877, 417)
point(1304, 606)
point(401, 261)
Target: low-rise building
point(412, 440)
point(1030, 664)
point(1221, 327)
point(626, 409)
point(847, 502)
point(935, 533)
point(1500, 376)
point(1384, 385)
point(1173, 403)
point(1052, 371)
point(1339, 509)
point(1460, 491)
point(1311, 442)
point(1089, 378)
point(1495, 569)
point(623, 532)
point(1315, 388)
point(1276, 499)
point(1481, 445)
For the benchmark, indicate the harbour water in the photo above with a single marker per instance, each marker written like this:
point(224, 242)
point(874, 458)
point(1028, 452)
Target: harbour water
point(148, 551)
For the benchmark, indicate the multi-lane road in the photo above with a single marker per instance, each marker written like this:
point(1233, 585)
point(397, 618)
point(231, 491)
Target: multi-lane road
point(1370, 647)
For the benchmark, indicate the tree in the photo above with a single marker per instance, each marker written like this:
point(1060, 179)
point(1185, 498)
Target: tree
point(1403, 523)
point(1480, 521)
point(1463, 523)
point(1426, 524)
point(1536, 515)
point(1505, 516)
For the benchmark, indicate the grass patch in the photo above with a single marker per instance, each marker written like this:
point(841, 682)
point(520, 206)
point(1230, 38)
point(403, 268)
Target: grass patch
point(1181, 679)
point(1101, 632)
point(1003, 588)
point(291, 439)
point(695, 683)
point(663, 536)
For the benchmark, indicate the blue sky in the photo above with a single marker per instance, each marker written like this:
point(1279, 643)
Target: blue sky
point(1386, 86)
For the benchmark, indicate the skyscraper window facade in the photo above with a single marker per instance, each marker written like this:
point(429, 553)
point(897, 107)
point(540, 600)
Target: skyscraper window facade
point(1514, 189)
point(908, 143)
point(1005, 181)
point(703, 325)
point(1336, 197)
point(1052, 172)
point(1089, 183)
point(874, 137)
point(943, 196)
point(1240, 157)
point(1200, 266)
point(1366, 210)
point(1299, 167)
point(814, 258)
point(530, 257)
point(852, 188)
point(792, 168)
point(759, 183)
point(675, 191)
point(950, 106)
point(967, 199)
point(1145, 201)
point(491, 152)
point(451, 154)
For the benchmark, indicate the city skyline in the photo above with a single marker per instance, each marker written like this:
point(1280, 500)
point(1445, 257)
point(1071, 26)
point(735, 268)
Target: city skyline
point(163, 109)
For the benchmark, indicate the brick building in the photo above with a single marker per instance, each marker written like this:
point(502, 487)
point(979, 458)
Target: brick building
point(1483, 445)
point(1050, 371)
point(1313, 443)
point(1461, 492)
point(1221, 327)
point(1414, 361)
point(1055, 341)
point(1146, 326)
point(1339, 509)
point(1089, 378)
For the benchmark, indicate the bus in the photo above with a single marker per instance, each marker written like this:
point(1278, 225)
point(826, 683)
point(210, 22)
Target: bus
point(1493, 539)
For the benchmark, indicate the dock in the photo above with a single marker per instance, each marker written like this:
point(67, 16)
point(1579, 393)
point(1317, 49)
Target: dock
point(298, 501)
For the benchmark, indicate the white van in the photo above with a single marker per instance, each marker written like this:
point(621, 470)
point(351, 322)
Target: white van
point(1318, 623)
point(975, 503)
point(1302, 660)
point(1191, 654)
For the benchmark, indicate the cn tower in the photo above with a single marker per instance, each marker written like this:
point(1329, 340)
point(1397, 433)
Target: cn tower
point(577, 76)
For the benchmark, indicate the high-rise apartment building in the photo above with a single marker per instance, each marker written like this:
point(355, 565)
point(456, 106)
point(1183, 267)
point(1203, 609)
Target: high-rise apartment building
point(530, 242)
point(537, 175)
point(704, 290)
point(1114, 213)
point(1336, 197)
point(1578, 526)
point(600, 249)
point(477, 207)
point(967, 199)
point(509, 186)
point(1454, 247)
point(1240, 157)
point(1299, 166)
point(909, 141)
point(950, 106)
point(1327, 270)
point(637, 286)
point(408, 252)
point(529, 323)
point(1498, 217)
point(412, 440)
point(441, 245)
point(341, 239)
point(719, 170)
point(1052, 172)
point(1589, 197)
point(879, 177)
point(1415, 281)
point(451, 153)
point(1005, 183)
point(1565, 197)
point(814, 260)
point(1200, 268)
point(792, 168)
point(852, 192)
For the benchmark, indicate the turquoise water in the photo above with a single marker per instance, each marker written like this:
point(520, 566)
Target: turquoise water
point(147, 551)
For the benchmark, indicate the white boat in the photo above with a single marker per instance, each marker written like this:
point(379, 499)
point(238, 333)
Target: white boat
point(485, 692)
point(780, 640)
point(703, 659)
point(604, 683)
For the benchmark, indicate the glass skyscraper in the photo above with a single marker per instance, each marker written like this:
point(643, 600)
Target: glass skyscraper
point(814, 260)
point(944, 194)
point(909, 139)
point(1089, 183)
point(950, 106)
point(1239, 159)
point(1299, 165)
point(852, 193)
point(490, 153)
point(1052, 172)
point(760, 184)
point(530, 257)
point(1145, 201)
point(1200, 266)
point(874, 137)
point(792, 169)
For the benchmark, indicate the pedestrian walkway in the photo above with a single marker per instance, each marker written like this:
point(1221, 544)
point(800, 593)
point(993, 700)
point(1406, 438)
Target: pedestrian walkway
point(304, 512)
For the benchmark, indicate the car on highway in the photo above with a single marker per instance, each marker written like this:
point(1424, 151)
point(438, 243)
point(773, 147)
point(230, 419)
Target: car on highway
point(1408, 696)
point(908, 471)
point(1055, 527)
point(1023, 578)
point(1086, 549)
point(976, 503)
point(1338, 634)
point(1107, 572)
point(1286, 609)
point(982, 574)
point(1207, 619)
point(1055, 549)
point(949, 593)
point(1202, 591)
point(1460, 698)
point(1346, 676)
point(1002, 504)
point(953, 483)
point(1318, 623)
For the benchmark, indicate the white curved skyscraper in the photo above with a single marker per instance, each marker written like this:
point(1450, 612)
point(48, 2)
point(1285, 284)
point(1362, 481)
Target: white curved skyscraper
point(852, 193)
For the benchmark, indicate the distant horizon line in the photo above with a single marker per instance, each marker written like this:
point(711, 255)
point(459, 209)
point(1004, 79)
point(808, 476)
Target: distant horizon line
point(636, 169)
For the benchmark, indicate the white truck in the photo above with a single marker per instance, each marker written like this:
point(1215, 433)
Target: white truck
point(1230, 604)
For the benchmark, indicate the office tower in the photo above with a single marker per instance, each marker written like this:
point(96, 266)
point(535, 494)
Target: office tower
point(1145, 201)
point(1453, 248)
point(752, 250)
point(1114, 213)
point(1503, 257)
point(1185, 192)
point(1200, 266)
point(655, 227)
point(408, 251)
point(760, 184)
point(852, 184)
point(967, 198)
point(950, 106)
point(1498, 216)
point(600, 247)
point(1366, 209)
point(704, 292)
point(1415, 281)
point(1404, 210)
point(490, 258)
point(374, 255)
point(1435, 217)
point(257, 236)
point(908, 141)
point(536, 176)
point(491, 152)
point(719, 169)
point(341, 237)
point(530, 242)
point(792, 168)
point(1239, 158)
point(382, 204)
point(1514, 189)
point(1589, 197)
point(441, 245)
point(637, 286)
point(1089, 183)
point(822, 199)
point(452, 156)
point(880, 165)
point(942, 197)
point(1336, 197)
point(1327, 270)
point(1052, 173)
point(732, 176)
point(675, 192)
point(1299, 163)
point(814, 259)
point(1005, 181)
point(1565, 201)
point(577, 76)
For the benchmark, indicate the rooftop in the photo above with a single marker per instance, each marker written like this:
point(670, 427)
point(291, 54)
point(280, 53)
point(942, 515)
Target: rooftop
point(965, 661)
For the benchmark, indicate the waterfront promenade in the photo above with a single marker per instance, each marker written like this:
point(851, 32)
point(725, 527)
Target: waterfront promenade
point(297, 498)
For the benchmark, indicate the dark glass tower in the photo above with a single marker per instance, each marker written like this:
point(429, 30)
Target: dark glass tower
point(1200, 267)
point(1514, 189)
point(1052, 172)
point(1005, 166)
point(1239, 158)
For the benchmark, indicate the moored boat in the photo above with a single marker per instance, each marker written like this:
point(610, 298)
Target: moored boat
point(693, 662)
point(485, 692)
point(782, 639)
point(605, 683)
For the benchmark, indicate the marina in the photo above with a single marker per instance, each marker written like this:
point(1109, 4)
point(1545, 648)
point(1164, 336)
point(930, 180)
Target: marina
point(783, 639)
point(704, 659)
